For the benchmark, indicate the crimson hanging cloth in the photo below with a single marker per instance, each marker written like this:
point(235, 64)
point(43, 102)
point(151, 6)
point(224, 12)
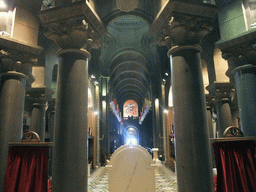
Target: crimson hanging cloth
point(236, 166)
point(27, 169)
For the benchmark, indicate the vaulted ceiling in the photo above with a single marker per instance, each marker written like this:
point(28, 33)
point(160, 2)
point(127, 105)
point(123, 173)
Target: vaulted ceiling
point(127, 56)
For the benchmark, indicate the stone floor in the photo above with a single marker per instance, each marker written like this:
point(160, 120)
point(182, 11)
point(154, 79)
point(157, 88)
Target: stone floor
point(164, 182)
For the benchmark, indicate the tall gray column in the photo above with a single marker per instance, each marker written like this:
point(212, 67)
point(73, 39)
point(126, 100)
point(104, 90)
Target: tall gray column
point(209, 120)
point(245, 80)
point(70, 139)
point(40, 96)
point(224, 116)
point(104, 129)
point(38, 120)
point(193, 159)
point(51, 118)
point(76, 38)
point(240, 52)
point(12, 97)
point(164, 119)
point(97, 109)
point(50, 114)
point(158, 127)
point(221, 92)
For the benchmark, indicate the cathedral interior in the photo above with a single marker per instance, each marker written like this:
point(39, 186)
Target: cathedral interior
point(90, 76)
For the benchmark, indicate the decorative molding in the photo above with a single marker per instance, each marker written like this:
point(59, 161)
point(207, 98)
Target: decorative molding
point(76, 26)
point(184, 30)
point(220, 90)
point(40, 94)
point(240, 55)
point(71, 34)
point(171, 8)
point(239, 51)
point(9, 62)
point(10, 44)
point(18, 56)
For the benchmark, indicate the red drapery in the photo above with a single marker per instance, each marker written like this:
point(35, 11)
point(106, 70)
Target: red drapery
point(27, 169)
point(236, 166)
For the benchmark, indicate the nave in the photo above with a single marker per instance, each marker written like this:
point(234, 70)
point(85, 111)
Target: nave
point(165, 179)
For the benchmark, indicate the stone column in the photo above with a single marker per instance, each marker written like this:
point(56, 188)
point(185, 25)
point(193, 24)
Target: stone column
point(103, 117)
point(97, 109)
point(70, 139)
point(164, 119)
point(16, 60)
point(221, 92)
point(209, 120)
point(245, 79)
point(158, 126)
point(51, 118)
point(193, 160)
point(241, 56)
point(224, 117)
point(40, 96)
point(12, 99)
point(14, 78)
point(182, 35)
point(38, 120)
point(50, 114)
point(76, 38)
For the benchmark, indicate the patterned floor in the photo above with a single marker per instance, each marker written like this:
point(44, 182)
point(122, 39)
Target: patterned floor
point(163, 183)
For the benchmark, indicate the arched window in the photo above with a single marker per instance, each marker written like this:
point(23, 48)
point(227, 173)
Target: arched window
point(250, 13)
point(130, 109)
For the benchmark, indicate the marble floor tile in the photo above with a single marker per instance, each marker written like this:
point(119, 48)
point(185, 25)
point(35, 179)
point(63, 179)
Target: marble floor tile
point(163, 182)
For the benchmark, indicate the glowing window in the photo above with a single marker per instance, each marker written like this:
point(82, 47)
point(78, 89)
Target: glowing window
point(130, 109)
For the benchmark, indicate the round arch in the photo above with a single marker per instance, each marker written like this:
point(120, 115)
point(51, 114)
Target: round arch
point(131, 135)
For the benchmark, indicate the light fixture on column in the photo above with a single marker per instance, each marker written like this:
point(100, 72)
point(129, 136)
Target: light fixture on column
point(93, 76)
point(96, 112)
point(165, 111)
point(96, 82)
point(157, 103)
point(166, 74)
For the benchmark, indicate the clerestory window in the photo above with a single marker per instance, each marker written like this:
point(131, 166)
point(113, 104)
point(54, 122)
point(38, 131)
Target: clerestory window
point(250, 13)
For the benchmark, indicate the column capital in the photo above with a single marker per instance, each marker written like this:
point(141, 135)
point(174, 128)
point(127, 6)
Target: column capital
point(240, 55)
point(183, 23)
point(73, 34)
point(18, 56)
point(184, 30)
point(220, 90)
point(209, 100)
point(74, 27)
point(40, 95)
point(9, 63)
point(238, 51)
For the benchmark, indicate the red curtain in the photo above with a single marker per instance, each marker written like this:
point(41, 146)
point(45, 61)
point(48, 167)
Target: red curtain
point(236, 166)
point(27, 169)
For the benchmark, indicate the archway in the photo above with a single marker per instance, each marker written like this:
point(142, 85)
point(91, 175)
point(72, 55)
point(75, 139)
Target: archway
point(131, 136)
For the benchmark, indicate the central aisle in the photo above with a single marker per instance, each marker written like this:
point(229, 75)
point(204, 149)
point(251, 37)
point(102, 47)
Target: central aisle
point(164, 183)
